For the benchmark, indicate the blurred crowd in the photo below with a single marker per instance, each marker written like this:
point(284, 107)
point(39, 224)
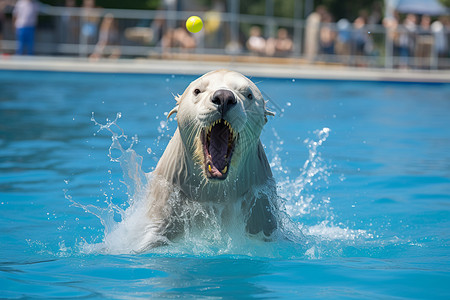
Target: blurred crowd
point(409, 36)
point(418, 37)
point(322, 38)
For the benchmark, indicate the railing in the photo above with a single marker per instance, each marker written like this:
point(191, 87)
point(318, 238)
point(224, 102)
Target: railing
point(139, 33)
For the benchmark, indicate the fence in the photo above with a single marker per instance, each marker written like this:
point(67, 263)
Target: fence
point(138, 33)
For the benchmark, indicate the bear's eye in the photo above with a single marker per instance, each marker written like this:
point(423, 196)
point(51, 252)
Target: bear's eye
point(196, 92)
point(250, 96)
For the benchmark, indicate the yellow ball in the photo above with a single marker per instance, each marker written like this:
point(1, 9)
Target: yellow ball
point(194, 24)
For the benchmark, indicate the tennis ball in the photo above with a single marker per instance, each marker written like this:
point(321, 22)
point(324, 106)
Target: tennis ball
point(194, 24)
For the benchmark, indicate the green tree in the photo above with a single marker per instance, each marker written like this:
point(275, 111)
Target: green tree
point(285, 8)
point(281, 8)
point(348, 9)
point(446, 2)
point(128, 4)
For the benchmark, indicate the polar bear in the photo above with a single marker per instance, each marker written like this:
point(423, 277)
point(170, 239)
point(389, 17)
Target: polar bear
point(215, 156)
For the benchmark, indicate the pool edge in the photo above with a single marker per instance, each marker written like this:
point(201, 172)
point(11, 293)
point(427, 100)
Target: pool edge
point(162, 66)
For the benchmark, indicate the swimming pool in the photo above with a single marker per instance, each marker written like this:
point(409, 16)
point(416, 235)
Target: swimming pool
point(363, 167)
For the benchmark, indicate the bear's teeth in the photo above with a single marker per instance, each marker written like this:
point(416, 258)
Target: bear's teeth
point(225, 170)
point(209, 168)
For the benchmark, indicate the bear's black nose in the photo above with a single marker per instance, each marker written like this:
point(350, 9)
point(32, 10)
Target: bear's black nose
point(224, 99)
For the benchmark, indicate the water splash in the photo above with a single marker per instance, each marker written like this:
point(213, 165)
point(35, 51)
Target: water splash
point(127, 228)
point(309, 211)
point(124, 223)
point(299, 192)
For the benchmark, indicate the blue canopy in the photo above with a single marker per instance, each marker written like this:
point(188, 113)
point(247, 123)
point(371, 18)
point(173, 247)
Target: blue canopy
point(421, 7)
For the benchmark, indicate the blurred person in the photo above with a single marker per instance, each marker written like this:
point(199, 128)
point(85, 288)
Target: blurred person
point(70, 23)
point(25, 17)
point(362, 41)
point(376, 14)
point(89, 22)
point(108, 36)
point(425, 25)
point(446, 22)
point(312, 32)
point(403, 36)
point(157, 28)
point(148, 32)
point(327, 35)
point(4, 4)
point(390, 25)
point(440, 39)
point(256, 44)
point(424, 42)
point(2, 17)
point(344, 36)
point(280, 46)
point(177, 38)
point(408, 38)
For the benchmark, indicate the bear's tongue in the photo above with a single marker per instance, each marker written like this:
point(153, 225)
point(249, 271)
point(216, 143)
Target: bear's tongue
point(218, 145)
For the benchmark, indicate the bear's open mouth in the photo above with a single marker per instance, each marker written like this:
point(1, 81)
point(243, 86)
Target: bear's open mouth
point(218, 140)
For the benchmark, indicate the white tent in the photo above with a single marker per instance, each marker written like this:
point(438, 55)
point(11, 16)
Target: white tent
point(420, 7)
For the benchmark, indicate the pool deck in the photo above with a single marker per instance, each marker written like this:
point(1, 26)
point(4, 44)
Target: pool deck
point(292, 69)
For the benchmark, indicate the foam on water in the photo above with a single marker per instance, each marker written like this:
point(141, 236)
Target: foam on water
point(127, 228)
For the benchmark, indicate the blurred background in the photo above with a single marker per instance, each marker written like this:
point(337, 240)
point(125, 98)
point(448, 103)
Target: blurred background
point(405, 34)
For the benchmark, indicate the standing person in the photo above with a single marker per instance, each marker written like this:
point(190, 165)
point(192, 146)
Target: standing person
point(327, 36)
point(89, 26)
point(440, 40)
point(89, 22)
point(108, 36)
point(281, 46)
point(407, 39)
point(256, 43)
point(3, 6)
point(312, 32)
point(424, 43)
point(25, 16)
point(70, 23)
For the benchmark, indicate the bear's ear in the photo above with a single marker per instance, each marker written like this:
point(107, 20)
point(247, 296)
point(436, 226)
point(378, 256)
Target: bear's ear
point(173, 111)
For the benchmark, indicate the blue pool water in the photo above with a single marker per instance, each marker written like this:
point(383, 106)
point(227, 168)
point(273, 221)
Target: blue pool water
point(363, 169)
